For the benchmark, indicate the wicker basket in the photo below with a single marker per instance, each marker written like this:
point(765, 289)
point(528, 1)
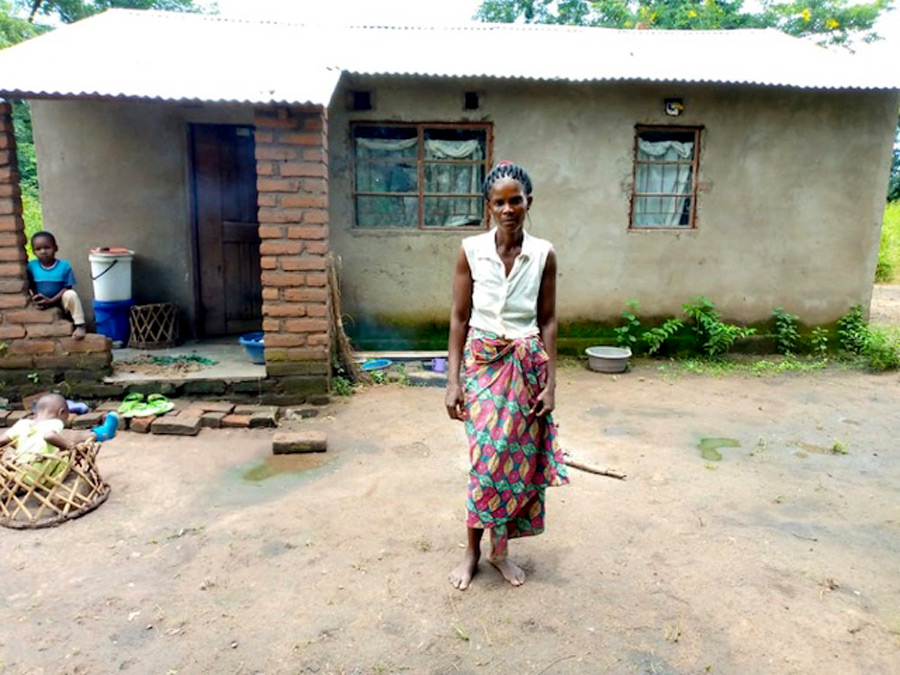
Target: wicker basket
point(30, 501)
point(153, 326)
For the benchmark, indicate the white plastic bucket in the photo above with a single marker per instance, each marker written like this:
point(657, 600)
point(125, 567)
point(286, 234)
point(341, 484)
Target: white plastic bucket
point(111, 273)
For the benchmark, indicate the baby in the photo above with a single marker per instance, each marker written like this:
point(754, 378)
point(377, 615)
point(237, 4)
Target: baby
point(37, 441)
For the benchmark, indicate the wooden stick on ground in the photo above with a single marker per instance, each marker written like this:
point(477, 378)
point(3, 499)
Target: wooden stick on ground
point(609, 473)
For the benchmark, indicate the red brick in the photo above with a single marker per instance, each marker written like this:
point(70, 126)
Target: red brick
point(284, 309)
point(263, 137)
point(316, 310)
point(308, 440)
point(141, 425)
point(315, 185)
point(182, 425)
point(10, 206)
point(272, 247)
point(271, 293)
point(316, 279)
point(307, 354)
point(307, 232)
point(12, 269)
point(267, 199)
point(32, 347)
point(11, 332)
point(296, 264)
point(280, 215)
point(278, 184)
point(14, 362)
point(28, 316)
point(271, 232)
point(314, 123)
point(13, 300)
point(55, 329)
point(315, 217)
point(318, 339)
point(7, 173)
point(5, 141)
point(316, 247)
point(6, 156)
point(265, 169)
point(302, 138)
point(282, 279)
point(302, 169)
point(7, 189)
point(12, 254)
point(271, 325)
point(275, 152)
point(275, 123)
point(306, 294)
point(12, 224)
point(12, 239)
point(315, 155)
point(304, 201)
point(283, 340)
point(236, 421)
point(306, 326)
point(92, 342)
point(267, 262)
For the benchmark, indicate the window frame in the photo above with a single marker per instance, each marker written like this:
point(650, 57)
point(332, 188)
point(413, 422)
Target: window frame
point(421, 162)
point(695, 168)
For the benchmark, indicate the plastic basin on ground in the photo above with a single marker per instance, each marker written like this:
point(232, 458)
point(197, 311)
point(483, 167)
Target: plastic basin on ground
point(254, 345)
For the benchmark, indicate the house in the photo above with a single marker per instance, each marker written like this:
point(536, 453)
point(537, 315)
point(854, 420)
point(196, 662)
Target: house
point(235, 156)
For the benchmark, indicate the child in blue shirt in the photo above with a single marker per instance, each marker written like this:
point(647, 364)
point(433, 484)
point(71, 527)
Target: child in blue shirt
point(51, 281)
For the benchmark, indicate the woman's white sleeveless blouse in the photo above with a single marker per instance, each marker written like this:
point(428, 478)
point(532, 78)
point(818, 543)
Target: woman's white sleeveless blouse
point(505, 305)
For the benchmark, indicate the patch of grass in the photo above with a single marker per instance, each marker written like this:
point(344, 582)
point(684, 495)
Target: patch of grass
point(887, 270)
point(720, 367)
point(882, 348)
point(341, 386)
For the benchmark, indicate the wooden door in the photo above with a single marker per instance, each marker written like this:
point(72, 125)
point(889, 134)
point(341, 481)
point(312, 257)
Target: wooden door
point(227, 231)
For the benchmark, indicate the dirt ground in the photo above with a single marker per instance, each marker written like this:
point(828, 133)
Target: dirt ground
point(211, 558)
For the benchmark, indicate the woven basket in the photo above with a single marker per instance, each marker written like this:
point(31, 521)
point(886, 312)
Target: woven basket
point(31, 500)
point(153, 326)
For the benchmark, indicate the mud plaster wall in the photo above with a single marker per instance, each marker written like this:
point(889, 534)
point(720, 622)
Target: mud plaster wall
point(118, 174)
point(790, 211)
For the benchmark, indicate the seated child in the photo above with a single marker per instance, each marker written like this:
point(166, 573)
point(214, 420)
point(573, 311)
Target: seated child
point(37, 441)
point(51, 281)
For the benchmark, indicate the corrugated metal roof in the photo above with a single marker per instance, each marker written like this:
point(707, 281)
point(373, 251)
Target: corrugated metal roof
point(159, 55)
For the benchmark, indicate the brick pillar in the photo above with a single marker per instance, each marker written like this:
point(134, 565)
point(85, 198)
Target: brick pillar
point(35, 350)
point(292, 182)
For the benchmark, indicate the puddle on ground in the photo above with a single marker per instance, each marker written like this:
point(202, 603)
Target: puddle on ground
point(709, 447)
point(278, 465)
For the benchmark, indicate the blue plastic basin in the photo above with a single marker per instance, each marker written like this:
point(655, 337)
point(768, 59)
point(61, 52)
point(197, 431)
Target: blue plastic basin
point(254, 345)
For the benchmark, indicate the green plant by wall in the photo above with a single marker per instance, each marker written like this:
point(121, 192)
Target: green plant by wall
point(654, 338)
point(882, 348)
point(852, 331)
point(786, 334)
point(627, 334)
point(818, 342)
point(341, 385)
point(714, 335)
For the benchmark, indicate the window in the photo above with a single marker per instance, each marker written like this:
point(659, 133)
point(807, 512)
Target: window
point(420, 175)
point(665, 177)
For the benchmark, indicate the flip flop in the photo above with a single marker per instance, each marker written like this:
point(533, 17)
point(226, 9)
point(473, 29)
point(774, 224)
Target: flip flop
point(158, 404)
point(130, 404)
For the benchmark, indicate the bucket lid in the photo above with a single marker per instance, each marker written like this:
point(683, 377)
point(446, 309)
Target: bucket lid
point(105, 250)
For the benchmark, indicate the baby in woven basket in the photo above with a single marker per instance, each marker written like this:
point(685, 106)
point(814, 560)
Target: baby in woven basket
point(37, 442)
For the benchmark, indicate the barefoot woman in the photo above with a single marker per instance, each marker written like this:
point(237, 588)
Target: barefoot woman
point(504, 315)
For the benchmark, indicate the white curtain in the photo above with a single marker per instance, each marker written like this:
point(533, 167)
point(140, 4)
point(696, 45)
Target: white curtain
point(672, 179)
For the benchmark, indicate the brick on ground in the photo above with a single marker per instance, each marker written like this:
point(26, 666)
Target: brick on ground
point(253, 409)
point(288, 443)
point(3, 415)
point(181, 425)
point(236, 421)
point(141, 425)
point(214, 406)
point(212, 419)
point(88, 420)
point(304, 413)
point(263, 420)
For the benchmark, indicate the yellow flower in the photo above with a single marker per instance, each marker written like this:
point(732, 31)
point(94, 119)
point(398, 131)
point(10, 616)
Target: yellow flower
point(832, 23)
point(692, 14)
point(805, 14)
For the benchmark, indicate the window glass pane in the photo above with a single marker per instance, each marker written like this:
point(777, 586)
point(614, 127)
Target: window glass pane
point(387, 211)
point(385, 142)
point(453, 211)
point(454, 178)
point(662, 211)
point(664, 178)
point(386, 177)
point(449, 143)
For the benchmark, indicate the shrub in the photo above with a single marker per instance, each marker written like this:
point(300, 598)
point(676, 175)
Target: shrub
point(882, 349)
point(819, 342)
point(786, 334)
point(627, 334)
point(852, 331)
point(888, 268)
point(714, 335)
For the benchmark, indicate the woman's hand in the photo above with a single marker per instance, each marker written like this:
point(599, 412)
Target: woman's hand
point(455, 402)
point(544, 403)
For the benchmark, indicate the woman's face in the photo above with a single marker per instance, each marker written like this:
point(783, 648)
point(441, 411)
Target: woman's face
point(508, 203)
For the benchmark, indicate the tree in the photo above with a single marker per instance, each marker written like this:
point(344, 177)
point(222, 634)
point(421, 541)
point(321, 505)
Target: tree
point(831, 21)
point(68, 11)
point(12, 28)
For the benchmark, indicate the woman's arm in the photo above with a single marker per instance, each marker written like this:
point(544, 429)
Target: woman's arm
point(547, 325)
point(459, 326)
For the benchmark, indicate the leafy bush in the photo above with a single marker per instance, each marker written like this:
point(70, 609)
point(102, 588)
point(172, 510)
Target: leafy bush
point(627, 335)
point(819, 342)
point(654, 338)
point(853, 333)
point(714, 335)
point(786, 333)
point(888, 268)
point(882, 349)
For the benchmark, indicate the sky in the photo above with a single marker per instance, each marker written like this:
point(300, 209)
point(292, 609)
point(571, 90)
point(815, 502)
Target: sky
point(442, 12)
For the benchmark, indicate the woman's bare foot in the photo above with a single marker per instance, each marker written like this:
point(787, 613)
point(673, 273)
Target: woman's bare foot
point(461, 576)
point(79, 333)
point(510, 571)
